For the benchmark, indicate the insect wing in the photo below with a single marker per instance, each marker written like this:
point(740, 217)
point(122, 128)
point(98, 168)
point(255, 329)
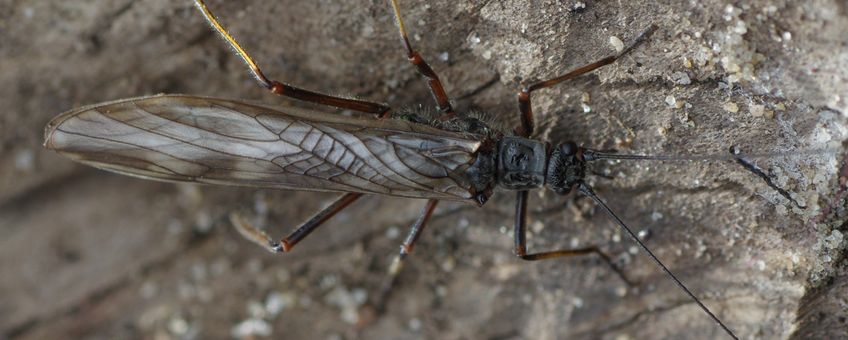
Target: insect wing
point(220, 141)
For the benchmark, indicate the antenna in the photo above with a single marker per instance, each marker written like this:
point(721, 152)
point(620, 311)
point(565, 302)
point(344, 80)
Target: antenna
point(734, 155)
point(586, 190)
point(594, 155)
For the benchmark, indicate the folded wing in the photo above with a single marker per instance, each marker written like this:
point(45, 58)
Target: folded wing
point(219, 141)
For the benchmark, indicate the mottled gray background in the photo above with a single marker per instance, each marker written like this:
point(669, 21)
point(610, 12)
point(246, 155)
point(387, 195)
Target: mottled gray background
point(88, 254)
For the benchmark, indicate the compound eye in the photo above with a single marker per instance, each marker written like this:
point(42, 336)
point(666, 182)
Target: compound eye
point(568, 148)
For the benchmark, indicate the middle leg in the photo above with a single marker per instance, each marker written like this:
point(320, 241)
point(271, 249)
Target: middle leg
point(521, 242)
point(285, 245)
point(442, 101)
point(405, 249)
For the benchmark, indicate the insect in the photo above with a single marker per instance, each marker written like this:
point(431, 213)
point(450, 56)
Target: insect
point(451, 157)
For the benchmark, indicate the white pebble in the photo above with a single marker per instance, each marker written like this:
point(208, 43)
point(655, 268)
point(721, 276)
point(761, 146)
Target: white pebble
point(250, 328)
point(681, 78)
point(786, 36)
point(616, 43)
point(276, 302)
point(757, 110)
point(178, 326)
point(392, 233)
point(731, 107)
point(578, 302)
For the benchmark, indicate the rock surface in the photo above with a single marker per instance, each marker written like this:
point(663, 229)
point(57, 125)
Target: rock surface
point(90, 254)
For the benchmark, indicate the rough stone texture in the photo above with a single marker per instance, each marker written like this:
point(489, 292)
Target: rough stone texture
point(85, 253)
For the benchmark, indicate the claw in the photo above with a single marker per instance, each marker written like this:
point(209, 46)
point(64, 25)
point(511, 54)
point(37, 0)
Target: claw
point(276, 247)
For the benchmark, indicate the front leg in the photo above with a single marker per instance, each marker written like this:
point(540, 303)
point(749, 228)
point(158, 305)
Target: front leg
point(521, 242)
point(524, 100)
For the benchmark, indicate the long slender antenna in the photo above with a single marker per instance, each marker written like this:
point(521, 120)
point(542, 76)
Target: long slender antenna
point(593, 155)
point(588, 192)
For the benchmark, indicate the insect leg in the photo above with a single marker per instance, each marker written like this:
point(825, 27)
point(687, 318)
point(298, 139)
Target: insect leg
point(439, 94)
point(526, 128)
point(521, 242)
point(405, 249)
point(285, 89)
point(415, 232)
point(285, 245)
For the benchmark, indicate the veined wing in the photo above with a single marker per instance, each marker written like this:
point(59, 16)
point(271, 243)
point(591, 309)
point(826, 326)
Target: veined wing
point(219, 141)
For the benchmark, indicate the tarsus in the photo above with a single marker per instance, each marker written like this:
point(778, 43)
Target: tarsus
point(588, 192)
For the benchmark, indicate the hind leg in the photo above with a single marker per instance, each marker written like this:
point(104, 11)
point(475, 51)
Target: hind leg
point(286, 90)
